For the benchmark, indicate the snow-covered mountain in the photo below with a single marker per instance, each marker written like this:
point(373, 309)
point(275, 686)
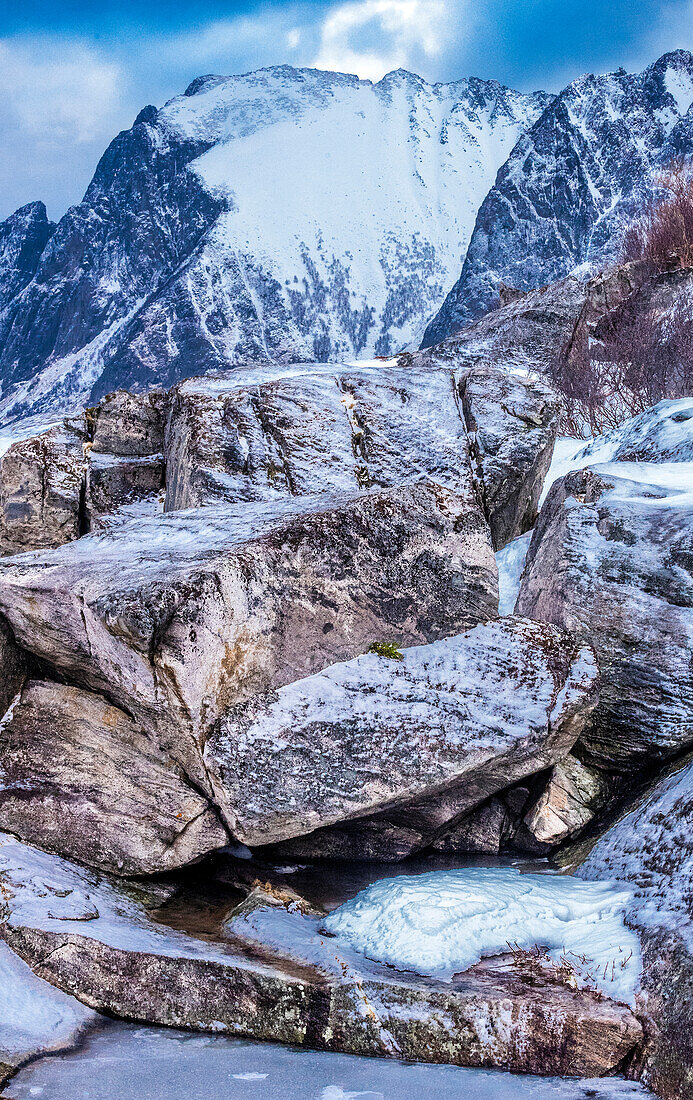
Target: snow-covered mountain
point(572, 182)
point(285, 215)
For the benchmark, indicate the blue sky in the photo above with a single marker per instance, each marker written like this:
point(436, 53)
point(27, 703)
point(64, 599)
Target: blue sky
point(74, 72)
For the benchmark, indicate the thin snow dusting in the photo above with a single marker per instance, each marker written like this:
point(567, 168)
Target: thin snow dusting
point(511, 561)
point(442, 923)
point(652, 849)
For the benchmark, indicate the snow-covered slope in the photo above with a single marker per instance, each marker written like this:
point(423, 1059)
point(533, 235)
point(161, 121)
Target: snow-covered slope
point(573, 181)
point(285, 214)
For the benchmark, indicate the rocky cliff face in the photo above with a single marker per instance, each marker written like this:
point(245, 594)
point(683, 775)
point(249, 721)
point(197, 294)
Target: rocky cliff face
point(285, 215)
point(572, 183)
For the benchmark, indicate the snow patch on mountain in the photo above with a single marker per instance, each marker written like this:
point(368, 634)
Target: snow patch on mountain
point(283, 215)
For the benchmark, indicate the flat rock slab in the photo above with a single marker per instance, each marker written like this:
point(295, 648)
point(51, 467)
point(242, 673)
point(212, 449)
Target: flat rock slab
point(91, 940)
point(80, 778)
point(611, 559)
point(450, 723)
point(177, 617)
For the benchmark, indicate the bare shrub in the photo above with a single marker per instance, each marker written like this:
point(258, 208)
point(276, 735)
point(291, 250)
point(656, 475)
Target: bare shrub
point(637, 358)
point(663, 234)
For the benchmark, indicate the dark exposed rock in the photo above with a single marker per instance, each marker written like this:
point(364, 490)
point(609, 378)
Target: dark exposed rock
point(128, 424)
point(482, 831)
point(572, 183)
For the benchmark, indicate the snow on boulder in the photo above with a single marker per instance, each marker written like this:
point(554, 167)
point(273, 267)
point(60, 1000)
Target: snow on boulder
point(651, 849)
point(444, 922)
point(293, 984)
point(663, 433)
point(611, 558)
point(260, 432)
point(263, 433)
point(179, 616)
point(434, 733)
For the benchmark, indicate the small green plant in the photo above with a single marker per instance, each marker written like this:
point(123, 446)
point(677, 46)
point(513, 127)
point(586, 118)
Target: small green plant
point(386, 649)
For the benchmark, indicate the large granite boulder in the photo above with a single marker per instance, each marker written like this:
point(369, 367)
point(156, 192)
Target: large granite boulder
point(129, 424)
point(254, 434)
point(82, 779)
point(432, 734)
point(268, 972)
point(249, 435)
point(611, 558)
point(176, 618)
point(651, 847)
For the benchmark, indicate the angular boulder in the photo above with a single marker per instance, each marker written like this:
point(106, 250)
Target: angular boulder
point(432, 734)
point(178, 617)
point(611, 559)
point(255, 434)
point(250, 435)
point(269, 974)
point(80, 778)
point(573, 794)
point(129, 424)
point(41, 491)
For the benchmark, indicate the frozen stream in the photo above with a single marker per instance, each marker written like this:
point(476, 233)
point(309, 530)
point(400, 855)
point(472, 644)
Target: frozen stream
point(129, 1062)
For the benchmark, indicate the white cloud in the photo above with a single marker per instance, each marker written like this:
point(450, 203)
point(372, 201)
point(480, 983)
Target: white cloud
point(399, 31)
point(53, 89)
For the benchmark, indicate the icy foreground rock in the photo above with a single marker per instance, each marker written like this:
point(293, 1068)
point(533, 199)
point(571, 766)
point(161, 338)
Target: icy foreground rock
point(35, 1017)
point(435, 733)
point(445, 922)
point(305, 988)
point(651, 849)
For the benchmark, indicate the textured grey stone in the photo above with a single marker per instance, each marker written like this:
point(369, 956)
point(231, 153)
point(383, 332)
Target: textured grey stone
point(81, 779)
